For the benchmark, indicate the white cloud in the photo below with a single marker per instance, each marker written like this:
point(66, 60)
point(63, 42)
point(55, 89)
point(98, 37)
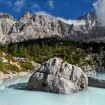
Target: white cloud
point(34, 7)
point(15, 5)
point(66, 4)
point(100, 11)
point(18, 5)
point(50, 4)
point(76, 23)
point(43, 13)
point(8, 3)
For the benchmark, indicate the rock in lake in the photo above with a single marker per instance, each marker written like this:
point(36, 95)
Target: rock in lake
point(58, 76)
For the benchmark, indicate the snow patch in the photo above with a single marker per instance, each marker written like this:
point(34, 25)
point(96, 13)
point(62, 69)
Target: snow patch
point(74, 22)
point(68, 21)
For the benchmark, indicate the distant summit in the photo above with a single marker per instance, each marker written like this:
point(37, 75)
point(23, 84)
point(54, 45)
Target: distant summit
point(88, 16)
point(27, 15)
point(5, 16)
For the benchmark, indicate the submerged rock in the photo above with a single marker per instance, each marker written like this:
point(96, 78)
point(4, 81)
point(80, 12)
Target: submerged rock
point(58, 76)
point(93, 82)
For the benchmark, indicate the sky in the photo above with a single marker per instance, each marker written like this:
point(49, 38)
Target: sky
point(67, 9)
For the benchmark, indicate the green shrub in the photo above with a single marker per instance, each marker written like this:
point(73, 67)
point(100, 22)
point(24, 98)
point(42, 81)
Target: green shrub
point(2, 65)
point(12, 68)
point(10, 58)
point(26, 66)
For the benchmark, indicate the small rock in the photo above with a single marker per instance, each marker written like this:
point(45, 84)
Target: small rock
point(22, 74)
point(6, 76)
point(1, 77)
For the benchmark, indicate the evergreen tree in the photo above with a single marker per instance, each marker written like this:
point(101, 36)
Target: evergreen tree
point(65, 55)
point(37, 49)
point(15, 49)
point(71, 60)
point(1, 63)
point(33, 50)
point(25, 52)
point(49, 54)
point(21, 51)
point(29, 49)
point(5, 48)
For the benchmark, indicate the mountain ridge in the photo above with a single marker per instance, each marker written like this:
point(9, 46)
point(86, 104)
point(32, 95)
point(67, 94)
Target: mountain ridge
point(41, 26)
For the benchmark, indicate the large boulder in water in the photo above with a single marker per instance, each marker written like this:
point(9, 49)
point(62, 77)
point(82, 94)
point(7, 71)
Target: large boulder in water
point(58, 76)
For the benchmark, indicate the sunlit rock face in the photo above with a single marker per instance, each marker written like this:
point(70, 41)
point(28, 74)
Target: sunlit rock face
point(41, 26)
point(58, 76)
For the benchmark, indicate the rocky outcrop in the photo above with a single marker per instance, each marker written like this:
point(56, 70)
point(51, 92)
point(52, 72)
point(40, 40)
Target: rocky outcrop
point(13, 74)
point(93, 82)
point(26, 17)
point(58, 76)
point(11, 62)
point(100, 60)
point(41, 26)
point(89, 70)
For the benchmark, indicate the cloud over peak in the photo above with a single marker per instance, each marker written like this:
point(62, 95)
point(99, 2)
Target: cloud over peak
point(100, 11)
point(50, 4)
point(19, 4)
point(43, 13)
point(15, 5)
point(76, 23)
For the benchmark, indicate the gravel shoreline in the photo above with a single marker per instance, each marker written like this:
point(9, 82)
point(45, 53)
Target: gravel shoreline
point(13, 75)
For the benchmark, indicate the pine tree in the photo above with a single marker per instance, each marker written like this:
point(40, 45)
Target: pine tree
point(29, 49)
point(5, 48)
point(37, 49)
point(65, 55)
point(15, 49)
point(25, 52)
point(33, 50)
point(1, 63)
point(49, 54)
point(71, 60)
point(21, 51)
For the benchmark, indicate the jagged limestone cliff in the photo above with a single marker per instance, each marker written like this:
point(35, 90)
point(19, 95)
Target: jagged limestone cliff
point(41, 26)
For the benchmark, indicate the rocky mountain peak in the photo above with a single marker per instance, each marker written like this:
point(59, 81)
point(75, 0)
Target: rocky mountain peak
point(40, 25)
point(88, 16)
point(6, 16)
point(27, 15)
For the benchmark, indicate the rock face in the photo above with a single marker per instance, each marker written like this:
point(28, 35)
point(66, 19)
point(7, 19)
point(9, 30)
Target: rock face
point(41, 26)
point(89, 70)
point(93, 82)
point(58, 76)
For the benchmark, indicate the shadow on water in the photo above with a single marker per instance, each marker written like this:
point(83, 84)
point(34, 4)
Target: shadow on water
point(20, 86)
point(29, 97)
point(62, 99)
point(12, 93)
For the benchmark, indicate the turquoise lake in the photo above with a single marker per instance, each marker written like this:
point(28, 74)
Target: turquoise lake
point(10, 96)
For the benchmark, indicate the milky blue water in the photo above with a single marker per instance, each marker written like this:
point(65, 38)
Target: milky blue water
point(100, 76)
point(10, 96)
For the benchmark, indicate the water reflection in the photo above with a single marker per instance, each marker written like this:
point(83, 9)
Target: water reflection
point(100, 75)
point(41, 98)
point(10, 96)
